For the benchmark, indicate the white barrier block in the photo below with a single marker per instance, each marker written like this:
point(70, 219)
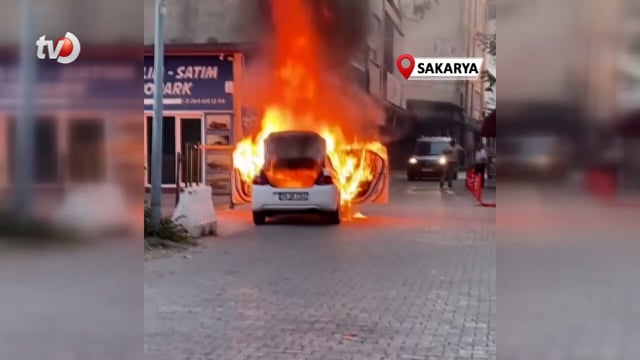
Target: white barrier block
point(195, 211)
point(94, 208)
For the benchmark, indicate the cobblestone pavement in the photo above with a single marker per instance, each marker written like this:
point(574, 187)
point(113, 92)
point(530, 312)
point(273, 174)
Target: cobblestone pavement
point(414, 280)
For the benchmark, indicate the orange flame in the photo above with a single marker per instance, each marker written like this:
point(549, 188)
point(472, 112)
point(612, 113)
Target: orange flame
point(303, 96)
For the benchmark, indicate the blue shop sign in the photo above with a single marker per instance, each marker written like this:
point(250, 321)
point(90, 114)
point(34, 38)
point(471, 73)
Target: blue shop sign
point(193, 83)
point(81, 86)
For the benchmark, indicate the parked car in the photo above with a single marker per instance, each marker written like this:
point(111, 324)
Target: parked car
point(295, 178)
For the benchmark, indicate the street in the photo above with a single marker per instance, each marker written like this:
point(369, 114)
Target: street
point(413, 280)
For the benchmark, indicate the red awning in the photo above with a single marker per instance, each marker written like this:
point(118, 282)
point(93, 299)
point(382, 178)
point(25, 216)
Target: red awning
point(629, 125)
point(489, 125)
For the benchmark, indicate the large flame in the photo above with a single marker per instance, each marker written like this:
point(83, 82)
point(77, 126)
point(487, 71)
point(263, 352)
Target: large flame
point(306, 94)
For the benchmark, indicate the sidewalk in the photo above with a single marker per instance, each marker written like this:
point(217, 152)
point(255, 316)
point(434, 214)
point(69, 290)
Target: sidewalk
point(220, 202)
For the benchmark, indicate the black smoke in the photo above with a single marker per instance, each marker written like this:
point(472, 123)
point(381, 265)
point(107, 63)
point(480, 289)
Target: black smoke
point(342, 25)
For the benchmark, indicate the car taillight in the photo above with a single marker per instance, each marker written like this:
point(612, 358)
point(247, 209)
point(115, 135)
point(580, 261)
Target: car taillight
point(260, 179)
point(324, 179)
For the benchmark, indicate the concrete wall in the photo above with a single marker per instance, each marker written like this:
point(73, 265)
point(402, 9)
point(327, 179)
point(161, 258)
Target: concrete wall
point(198, 21)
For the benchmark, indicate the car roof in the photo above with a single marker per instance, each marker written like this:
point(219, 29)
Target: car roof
point(434, 138)
point(293, 133)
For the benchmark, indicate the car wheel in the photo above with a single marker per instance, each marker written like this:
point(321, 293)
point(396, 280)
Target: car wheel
point(259, 218)
point(334, 217)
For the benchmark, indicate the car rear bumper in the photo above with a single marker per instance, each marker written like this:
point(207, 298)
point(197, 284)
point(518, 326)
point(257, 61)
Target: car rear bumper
point(321, 198)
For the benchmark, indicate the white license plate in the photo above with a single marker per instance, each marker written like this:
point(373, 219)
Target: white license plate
point(293, 196)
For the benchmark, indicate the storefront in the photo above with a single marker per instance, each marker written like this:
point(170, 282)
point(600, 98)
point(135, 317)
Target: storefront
point(199, 109)
point(82, 112)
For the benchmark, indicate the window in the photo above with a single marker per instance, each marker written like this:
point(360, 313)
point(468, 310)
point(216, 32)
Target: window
point(389, 33)
point(492, 9)
point(478, 99)
point(374, 39)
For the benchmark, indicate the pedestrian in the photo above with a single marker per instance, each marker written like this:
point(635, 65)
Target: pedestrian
point(451, 155)
point(480, 162)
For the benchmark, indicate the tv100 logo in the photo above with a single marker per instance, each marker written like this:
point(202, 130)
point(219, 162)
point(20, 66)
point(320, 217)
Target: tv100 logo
point(64, 50)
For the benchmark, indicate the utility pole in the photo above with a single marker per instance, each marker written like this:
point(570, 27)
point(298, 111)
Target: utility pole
point(156, 141)
point(24, 123)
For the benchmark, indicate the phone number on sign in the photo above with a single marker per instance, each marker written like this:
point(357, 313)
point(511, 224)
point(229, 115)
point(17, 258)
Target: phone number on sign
point(205, 101)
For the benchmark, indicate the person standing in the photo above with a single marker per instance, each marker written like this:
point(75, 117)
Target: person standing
point(451, 154)
point(480, 162)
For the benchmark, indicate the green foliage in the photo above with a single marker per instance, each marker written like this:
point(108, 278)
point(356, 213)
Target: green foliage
point(487, 42)
point(169, 234)
point(489, 78)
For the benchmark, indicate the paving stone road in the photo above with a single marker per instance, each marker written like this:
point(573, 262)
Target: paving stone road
point(414, 280)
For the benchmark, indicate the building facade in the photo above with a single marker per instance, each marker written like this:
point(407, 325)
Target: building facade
point(199, 108)
point(442, 29)
point(448, 29)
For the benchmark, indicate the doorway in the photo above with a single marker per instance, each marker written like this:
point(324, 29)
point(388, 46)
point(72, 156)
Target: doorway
point(179, 133)
point(192, 156)
point(168, 149)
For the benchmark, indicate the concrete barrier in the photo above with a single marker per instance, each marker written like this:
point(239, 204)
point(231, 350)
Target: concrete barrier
point(195, 211)
point(94, 208)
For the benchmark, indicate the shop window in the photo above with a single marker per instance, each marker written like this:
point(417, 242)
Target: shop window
point(45, 145)
point(87, 151)
point(168, 149)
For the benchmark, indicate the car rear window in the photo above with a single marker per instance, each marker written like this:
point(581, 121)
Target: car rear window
point(294, 160)
point(291, 147)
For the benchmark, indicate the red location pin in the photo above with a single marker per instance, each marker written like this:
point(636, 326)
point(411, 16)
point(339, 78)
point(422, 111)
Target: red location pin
point(405, 70)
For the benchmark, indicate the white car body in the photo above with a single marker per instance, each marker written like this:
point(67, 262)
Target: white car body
point(322, 198)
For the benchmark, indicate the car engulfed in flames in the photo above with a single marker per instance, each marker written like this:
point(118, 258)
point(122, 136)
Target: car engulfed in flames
point(360, 169)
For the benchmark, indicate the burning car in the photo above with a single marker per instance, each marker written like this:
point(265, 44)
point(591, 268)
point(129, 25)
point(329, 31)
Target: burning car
point(332, 157)
point(290, 171)
point(296, 177)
